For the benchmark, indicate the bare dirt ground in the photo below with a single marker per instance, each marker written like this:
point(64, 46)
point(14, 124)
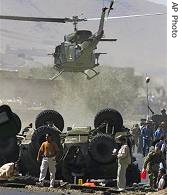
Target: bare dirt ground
point(33, 190)
point(161, 192)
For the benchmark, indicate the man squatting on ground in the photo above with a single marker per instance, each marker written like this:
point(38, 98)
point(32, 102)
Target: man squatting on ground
point(8, 170)
point(49, 150)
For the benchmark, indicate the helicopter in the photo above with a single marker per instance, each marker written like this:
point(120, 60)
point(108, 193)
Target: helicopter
point(77, 52)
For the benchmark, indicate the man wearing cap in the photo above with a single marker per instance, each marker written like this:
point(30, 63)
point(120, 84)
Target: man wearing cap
point(124, 159)
point(151, 163)
point(49, 150)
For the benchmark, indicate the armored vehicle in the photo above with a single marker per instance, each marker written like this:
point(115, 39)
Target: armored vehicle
point(84, 152)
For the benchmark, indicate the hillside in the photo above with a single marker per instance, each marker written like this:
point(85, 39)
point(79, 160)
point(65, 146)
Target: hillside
point(141, 41)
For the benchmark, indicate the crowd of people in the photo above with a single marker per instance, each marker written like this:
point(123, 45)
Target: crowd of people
point(150, 139)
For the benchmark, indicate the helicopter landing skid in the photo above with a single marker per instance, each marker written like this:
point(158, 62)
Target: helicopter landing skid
point(56, 75)
point(91, 77)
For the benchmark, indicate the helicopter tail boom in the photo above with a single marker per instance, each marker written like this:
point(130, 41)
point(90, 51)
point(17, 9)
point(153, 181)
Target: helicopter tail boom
point(102, 19)
point(101, 25)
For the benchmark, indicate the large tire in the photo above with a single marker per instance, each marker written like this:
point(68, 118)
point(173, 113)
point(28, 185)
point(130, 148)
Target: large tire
point(28, 162)
point(73, 162)
point(110, 116)
point(49, 116)
point(39, 136)
point(18, 122)
point(9, 149)
point(12, 123)
point(101, 147)
point(5, 115)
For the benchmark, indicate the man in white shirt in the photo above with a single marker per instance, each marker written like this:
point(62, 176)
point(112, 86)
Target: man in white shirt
point(124, 159)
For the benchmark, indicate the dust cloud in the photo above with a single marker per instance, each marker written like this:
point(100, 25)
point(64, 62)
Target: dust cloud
point(77, 99)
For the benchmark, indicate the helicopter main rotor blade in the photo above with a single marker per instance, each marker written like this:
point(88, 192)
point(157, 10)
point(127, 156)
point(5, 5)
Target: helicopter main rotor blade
point(24, 37)
point(130, 16)
point(34, 19)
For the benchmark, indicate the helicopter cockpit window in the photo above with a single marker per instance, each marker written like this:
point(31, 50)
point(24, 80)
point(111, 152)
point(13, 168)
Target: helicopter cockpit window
point(72, 52)
point(69, 52)
point(57, 55)
point(77, 50)
point(83, 35)
point(66, 52)
point(63, 54)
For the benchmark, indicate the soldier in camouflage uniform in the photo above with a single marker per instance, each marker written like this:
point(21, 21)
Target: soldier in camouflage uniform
point(151, 163)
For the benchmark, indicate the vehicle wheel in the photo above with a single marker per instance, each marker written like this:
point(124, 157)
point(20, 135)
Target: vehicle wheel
point(10, 123)
point(39, 136)
point(74, 163)
point(9, 148)
point(111, 117)
point(101, 147)
point(49, 117)
point(5, 108)
point(23, 157)
point(28, 163)
point(18, 122)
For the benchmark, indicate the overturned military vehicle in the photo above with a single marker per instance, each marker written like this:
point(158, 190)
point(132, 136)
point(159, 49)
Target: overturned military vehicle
point(84, 152)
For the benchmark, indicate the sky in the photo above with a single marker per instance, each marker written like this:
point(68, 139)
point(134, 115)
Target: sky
point(164, 2)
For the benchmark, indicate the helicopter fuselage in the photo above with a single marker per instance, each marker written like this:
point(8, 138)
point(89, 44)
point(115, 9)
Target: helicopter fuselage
point(77, 52)
point(79, 55)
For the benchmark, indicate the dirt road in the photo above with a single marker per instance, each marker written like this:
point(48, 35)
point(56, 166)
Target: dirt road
point(32, 190)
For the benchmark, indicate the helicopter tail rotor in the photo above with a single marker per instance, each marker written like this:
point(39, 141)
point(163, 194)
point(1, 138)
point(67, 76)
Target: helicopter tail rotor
point(110, 7)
